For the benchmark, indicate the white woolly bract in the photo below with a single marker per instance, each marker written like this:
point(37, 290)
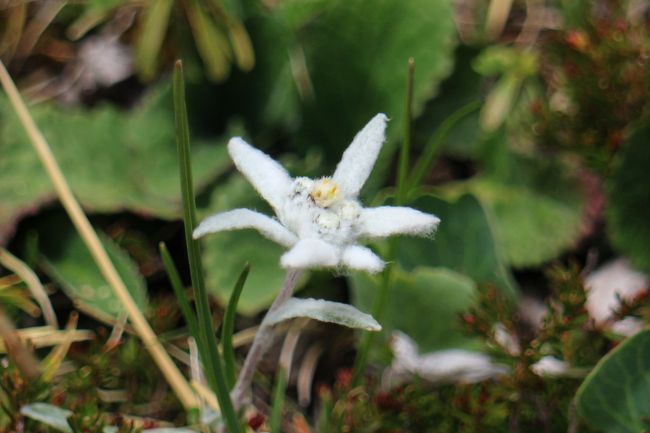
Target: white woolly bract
point(268, 177)
point(362, 259)
point(359, 158)
point(244, 219)
point(384, 221)
point(550, 366)
point(611, 282)
point(445, 366)
point(311, 253)
point(324, 311)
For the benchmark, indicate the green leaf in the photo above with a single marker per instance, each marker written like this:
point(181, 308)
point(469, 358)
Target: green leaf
point(535, 204)
point(114, 160)
point(464, 243)
point(69, 262)
point(628, 194)
point(464, 86)
point(324, 311)
point(153, 27)
point(226, 253)
point(614, 397)
point(423, 303)
point(355, 56)
point(211, 42)
point(49, 415)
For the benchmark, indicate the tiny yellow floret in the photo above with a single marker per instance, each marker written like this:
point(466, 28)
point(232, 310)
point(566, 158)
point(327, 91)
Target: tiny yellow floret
point(324, 192)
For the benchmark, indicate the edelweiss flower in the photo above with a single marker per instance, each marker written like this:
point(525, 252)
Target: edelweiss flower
point(320, 220)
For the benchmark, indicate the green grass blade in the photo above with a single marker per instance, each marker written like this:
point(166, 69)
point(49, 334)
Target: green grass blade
point(228, 328)
point(275, 421)
point(433, 146)
point(402, 172)
point(179, 291)
point(212, 363)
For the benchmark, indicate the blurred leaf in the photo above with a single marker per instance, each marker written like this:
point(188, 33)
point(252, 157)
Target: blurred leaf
point(499, 59)
point(324, 311)
point(14, 18)
point(226, 253)
point(153, 28)
point(424, 303)
point(499, 102)
point(70, 263)
point(211, 42)
point(628, 213)
point(514, 66)
point(241, 45)
point(462, 87)
point(114, 160)
point(356, 54)
point(535, 204)
point(614, 396)
point(13, 293)
point(464, 243)
point(49, 415)
point(95, 12)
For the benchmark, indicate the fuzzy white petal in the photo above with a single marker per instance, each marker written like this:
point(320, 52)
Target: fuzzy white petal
point(384, 221)
point(359, 158)
point(550, 366)
point(609, 284)
point(361, 258)
point(246, 219)
point(311, 253)
point(268, 177)
point(446, 366)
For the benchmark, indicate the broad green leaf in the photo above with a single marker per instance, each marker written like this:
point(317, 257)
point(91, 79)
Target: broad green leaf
point(49, 415)
point(70, 263)
point(424, 303)
point(355, 62)
point(114, 160)
point(226, 253)
point(464, 242)
point(628, 213)
point(614, 397)
point(535, 204)
point(324, 311)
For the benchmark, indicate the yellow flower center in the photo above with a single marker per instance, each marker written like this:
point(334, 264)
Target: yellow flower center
point(324, 192)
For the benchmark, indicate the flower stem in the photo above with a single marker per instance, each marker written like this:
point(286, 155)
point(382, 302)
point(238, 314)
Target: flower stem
point(262, 341)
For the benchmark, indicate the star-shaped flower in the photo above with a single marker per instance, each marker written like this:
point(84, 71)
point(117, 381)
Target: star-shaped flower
point(320, 221)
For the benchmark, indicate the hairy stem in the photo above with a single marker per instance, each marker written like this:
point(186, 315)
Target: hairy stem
point(262, 341)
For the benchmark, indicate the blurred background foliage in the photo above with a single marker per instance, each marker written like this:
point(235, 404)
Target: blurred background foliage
point(528, 139)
